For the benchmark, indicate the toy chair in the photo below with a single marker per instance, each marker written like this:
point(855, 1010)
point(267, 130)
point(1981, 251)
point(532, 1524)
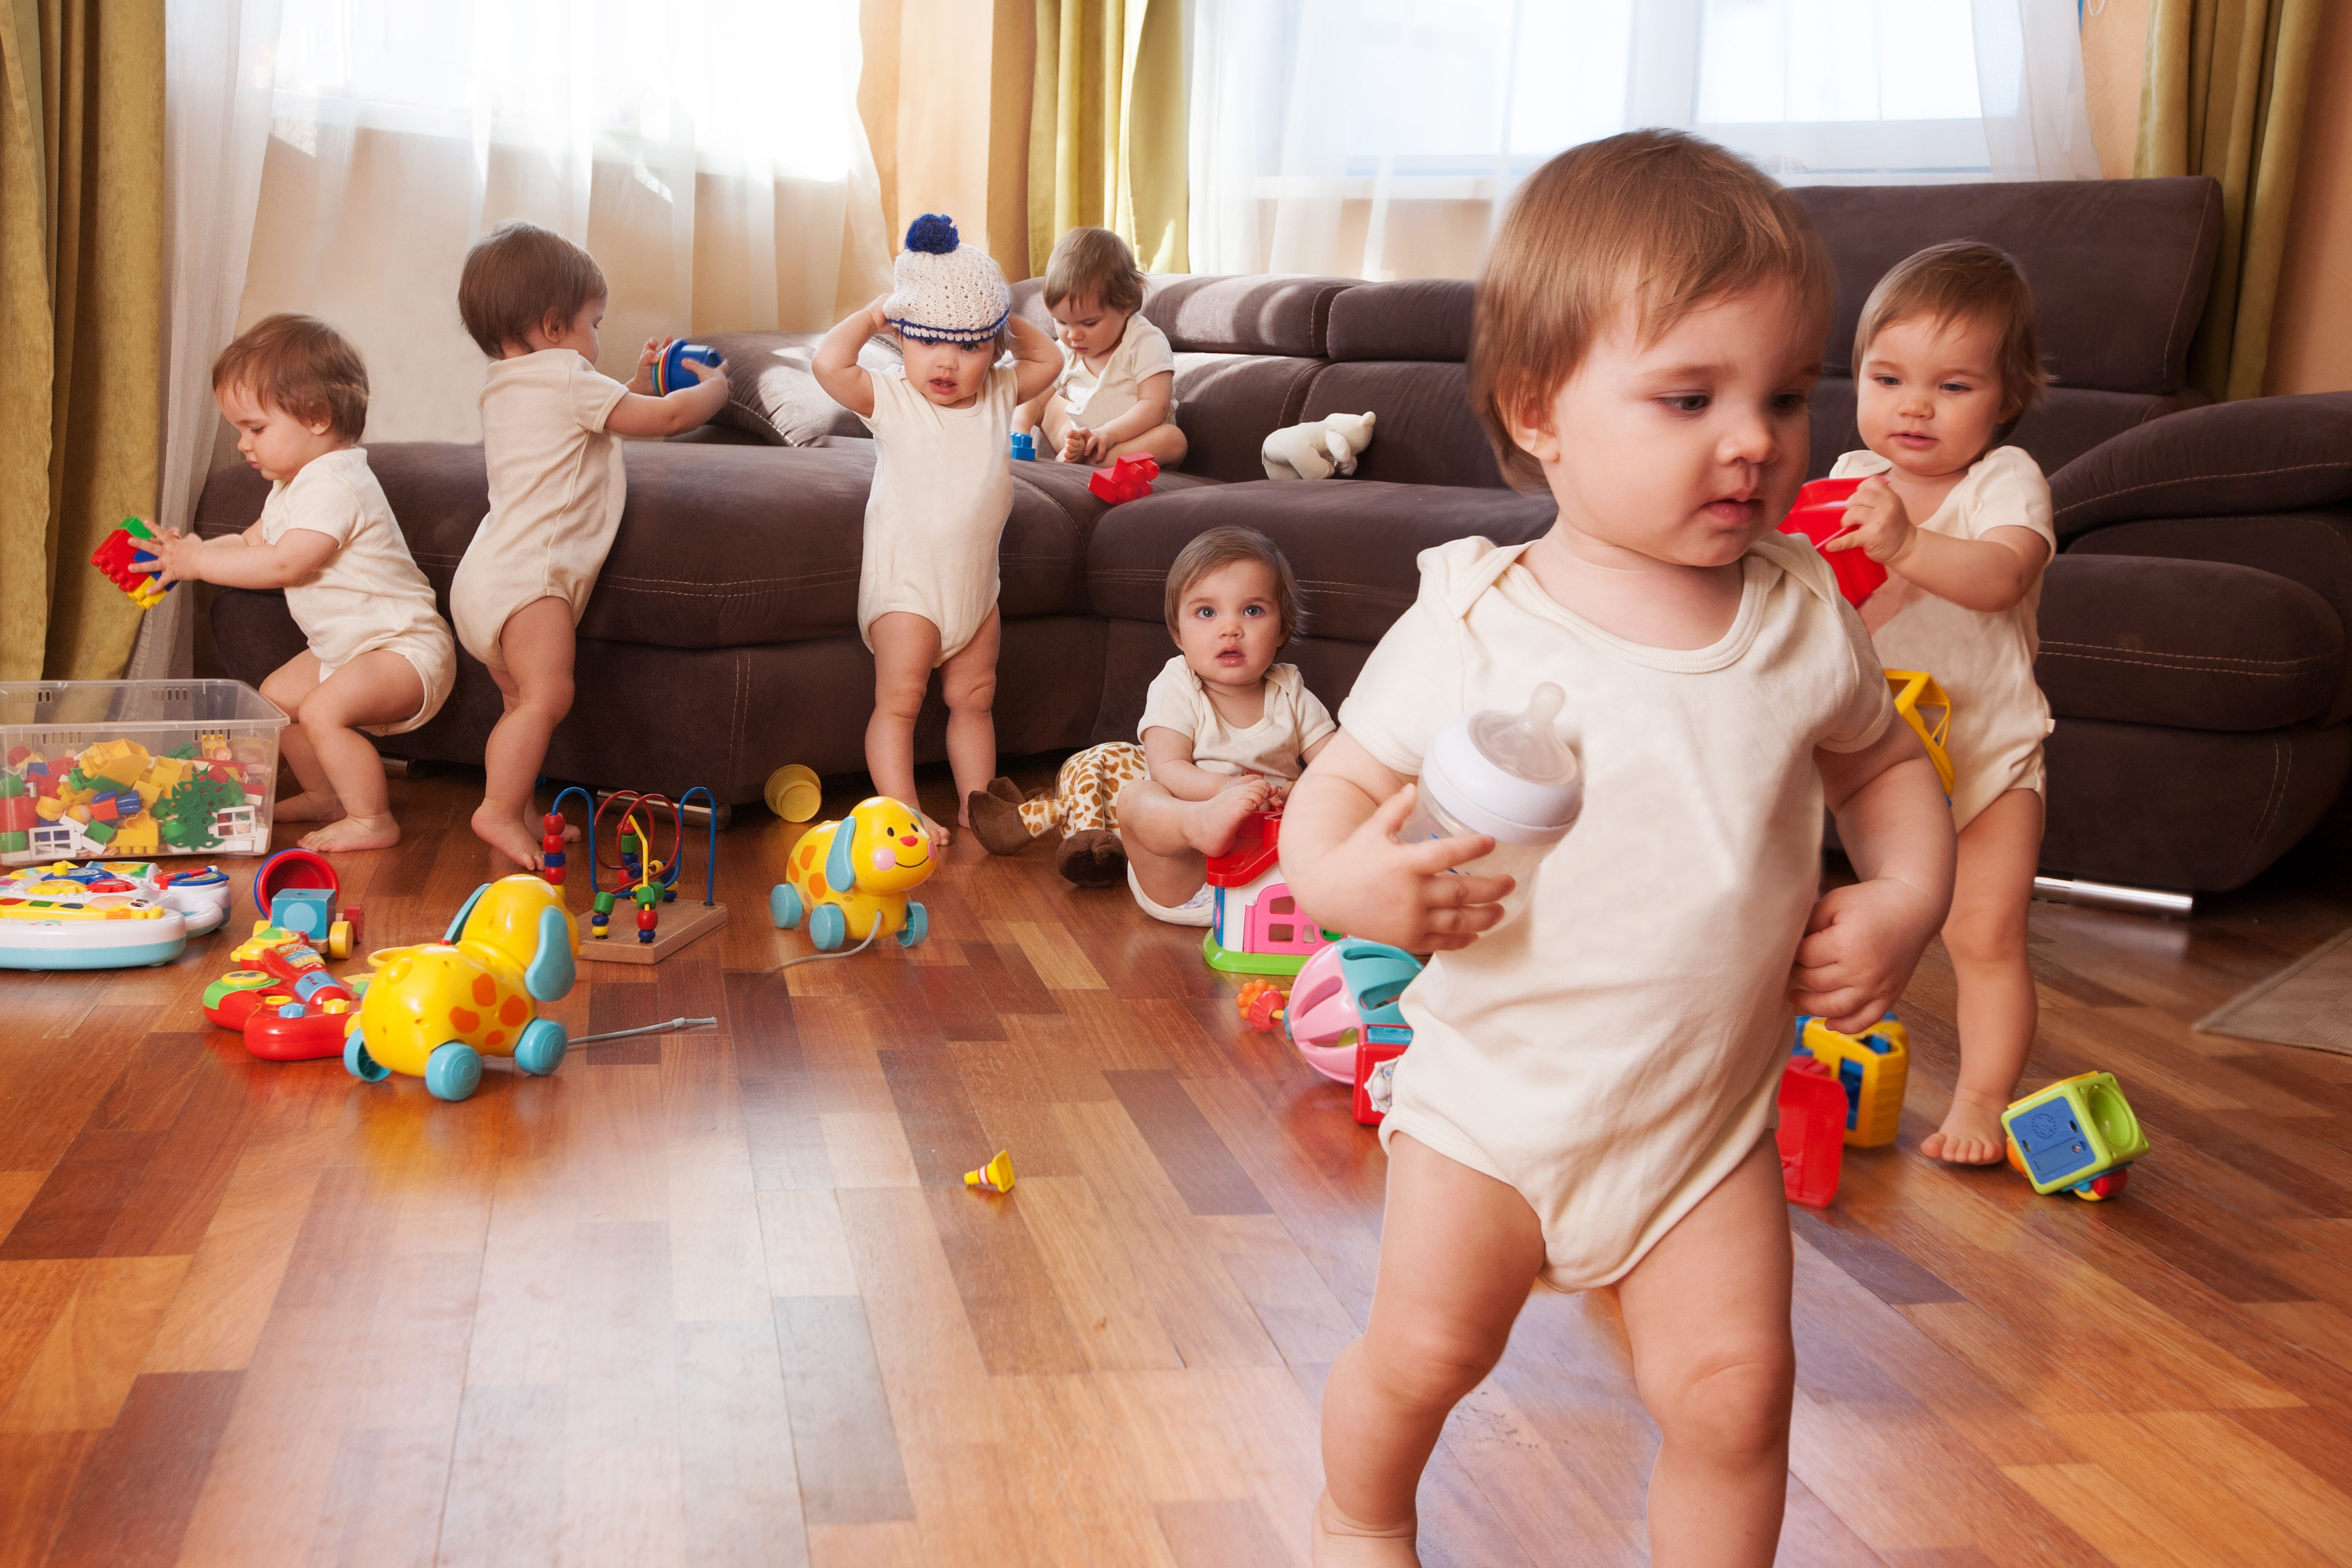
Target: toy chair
point(852, 877)
point(434, 1011)
point(2078, 1133)
point(1872, 1068)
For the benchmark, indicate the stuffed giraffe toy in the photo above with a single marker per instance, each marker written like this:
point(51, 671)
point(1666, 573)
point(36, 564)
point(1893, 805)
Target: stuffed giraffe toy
point(1082, 803)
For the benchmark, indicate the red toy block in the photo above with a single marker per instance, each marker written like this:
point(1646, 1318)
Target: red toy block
point(16, 755)
point(1128, 479)
point(102, 809)
point(17, 815)
point(1369, 1054)
point(1820, 516)
point(1812, 1134)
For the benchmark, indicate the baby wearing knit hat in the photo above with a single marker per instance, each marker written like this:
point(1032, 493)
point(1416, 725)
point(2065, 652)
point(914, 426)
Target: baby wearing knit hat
point(942, 428)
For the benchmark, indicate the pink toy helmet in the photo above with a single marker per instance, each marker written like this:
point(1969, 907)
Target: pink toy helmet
point(1346, 986)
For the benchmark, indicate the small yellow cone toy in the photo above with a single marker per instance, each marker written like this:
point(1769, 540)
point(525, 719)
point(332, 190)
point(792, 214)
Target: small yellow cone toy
point(996, 1176)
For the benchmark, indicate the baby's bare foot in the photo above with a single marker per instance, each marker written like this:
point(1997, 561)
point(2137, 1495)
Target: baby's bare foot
point(504, 832)
point(354, 833)
point(310, 805)
point(938, 830)
point(1340, 1543)
point(1971, 1134)
point(1210, 824)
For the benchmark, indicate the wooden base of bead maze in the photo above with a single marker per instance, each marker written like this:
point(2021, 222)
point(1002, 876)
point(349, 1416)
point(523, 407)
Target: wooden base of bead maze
point(682, 924)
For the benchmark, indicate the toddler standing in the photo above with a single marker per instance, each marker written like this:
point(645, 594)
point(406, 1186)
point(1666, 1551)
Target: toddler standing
point(1945, 356)
point(942, 488)
point(379, 657)
point(1116, 395)
point(1589, 1092)
point(550, 437)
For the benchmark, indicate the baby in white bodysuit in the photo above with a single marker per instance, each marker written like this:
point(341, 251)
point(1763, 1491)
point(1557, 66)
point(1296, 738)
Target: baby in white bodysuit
point(1588, 1093)
point(1116, 396)
point(942, 488)
point(379, 660)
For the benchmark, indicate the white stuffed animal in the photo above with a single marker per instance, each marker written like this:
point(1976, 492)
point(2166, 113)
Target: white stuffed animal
point(1315, 449)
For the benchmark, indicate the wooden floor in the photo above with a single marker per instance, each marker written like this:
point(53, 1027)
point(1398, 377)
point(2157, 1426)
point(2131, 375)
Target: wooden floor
point(722, 1297)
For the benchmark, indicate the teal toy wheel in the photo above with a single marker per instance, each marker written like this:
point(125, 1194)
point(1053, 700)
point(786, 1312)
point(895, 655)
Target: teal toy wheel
point(453, 1072)
point(359, 1064)
point(539, 1050)
point(785, 905)
point(918, 926)
point(827, 927)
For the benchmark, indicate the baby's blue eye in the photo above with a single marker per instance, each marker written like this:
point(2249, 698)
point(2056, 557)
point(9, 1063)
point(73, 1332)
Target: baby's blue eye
point(1688, 402)
point(1254, 611)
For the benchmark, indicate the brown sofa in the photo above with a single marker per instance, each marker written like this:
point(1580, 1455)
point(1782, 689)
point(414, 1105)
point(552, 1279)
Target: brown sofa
point(2194, 626)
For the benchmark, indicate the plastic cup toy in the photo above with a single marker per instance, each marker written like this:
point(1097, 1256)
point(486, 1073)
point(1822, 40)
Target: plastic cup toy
point(1508, 775)
point(1820, 516)
point(670, 372)
point(793, 793)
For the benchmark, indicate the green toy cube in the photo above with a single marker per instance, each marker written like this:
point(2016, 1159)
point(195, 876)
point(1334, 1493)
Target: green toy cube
point(2072, 1132)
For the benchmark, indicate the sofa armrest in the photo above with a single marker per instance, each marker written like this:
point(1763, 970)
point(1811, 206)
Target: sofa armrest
point(2262, 455)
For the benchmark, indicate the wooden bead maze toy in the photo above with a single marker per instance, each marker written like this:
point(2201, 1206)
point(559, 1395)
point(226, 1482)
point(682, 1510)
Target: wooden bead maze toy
point(642, 881)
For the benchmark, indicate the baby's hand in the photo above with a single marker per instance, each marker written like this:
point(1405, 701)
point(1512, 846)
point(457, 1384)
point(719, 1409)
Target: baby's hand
point(1876, 523)
point(1369, 886)
point(648, 357)
point(176, 554)
point(1861, 943)
point(1077, 446)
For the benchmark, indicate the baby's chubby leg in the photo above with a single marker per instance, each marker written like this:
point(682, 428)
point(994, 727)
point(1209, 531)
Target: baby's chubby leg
point(1168, 838)
point(1707, 1312)
point(1992, 892)
point(1163, 444)
point(1459, 1251)
point(288, 686)
point(906, 646)
point(379, 688)
point(537, 645)
point(968, 682)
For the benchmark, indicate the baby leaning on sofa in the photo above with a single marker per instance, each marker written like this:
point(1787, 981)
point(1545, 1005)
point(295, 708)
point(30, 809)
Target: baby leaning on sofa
point(380, 657)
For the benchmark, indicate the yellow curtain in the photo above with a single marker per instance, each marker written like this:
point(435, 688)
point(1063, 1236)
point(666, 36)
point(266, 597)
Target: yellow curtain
point(81, 314)
point(2224, 92)
point(934, 71)
point(1106, 127)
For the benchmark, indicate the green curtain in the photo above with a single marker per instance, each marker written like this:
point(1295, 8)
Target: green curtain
point(1106, 127)
point(2224, 95)
point(82, 320)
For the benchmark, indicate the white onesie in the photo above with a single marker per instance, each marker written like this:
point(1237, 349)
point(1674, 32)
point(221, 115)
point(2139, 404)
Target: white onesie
point(1095, 398)
point(1612, 1052)
point(369, 594)
point(557, 486)
point(1294, 719)
point(1982, 659)
point(942, 489)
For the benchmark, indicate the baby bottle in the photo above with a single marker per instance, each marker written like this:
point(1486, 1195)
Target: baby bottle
point(1508, 775)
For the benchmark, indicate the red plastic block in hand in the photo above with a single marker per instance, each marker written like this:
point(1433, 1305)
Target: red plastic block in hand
point(1129, 479)
point(1820, 516)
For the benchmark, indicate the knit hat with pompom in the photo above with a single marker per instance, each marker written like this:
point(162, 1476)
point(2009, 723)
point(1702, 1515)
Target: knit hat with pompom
point(944, 291)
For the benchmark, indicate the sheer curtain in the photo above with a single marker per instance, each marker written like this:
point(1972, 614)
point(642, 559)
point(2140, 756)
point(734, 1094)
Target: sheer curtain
point(1380, 138)
point(708, 153)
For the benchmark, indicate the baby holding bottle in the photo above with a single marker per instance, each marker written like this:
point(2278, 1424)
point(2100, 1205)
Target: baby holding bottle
point(1945, 358)
point(1589, 1096)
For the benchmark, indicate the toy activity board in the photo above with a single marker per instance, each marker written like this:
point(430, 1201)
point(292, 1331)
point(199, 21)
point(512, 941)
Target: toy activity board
point(642, 879)
point(114, 915)
point(132, 769)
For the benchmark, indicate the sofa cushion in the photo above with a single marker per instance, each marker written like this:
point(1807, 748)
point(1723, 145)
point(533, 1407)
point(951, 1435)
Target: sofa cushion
point(2196, 645)
point(1426, 433)
point(2118, 268)
point(1227, 405)
point(1223, 315)
point(2070, 421)
point(1412, 318)
point(2264, 453)
point(770, 393)
point(1352, 542)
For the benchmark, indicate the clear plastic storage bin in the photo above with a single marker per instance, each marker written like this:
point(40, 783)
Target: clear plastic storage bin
point(135, 769)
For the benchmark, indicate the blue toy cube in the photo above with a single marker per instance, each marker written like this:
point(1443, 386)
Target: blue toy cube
point(306, 911)
point(2072, 1132)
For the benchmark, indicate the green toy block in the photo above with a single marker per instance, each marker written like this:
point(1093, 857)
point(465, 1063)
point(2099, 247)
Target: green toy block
point(14, 843)
point(99, 832)
point(12, 785)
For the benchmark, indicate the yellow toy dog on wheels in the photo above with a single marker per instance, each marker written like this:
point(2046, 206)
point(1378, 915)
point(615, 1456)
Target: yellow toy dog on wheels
point(850, 877)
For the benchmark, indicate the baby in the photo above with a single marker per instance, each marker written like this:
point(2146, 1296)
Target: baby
point(1115, 395)
point(379, 657)
point(1943, 359)
point(1589, 1096)
point(1224, 730)
point(550, 437)
point(942, 488)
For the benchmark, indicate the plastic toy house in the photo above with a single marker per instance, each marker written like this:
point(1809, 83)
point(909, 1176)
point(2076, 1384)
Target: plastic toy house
point(1259, 927)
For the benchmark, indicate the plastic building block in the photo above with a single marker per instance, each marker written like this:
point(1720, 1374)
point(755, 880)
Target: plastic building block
point(1025, 447)
point(996, 1176)
point(99, 832)
point(1820, 516)
point(122, 555)
point(1128, 479)
point(2078, 1133)
point(308, 912)
point(121, 761)
point(1812, 1134)
point(1871, 1068)
point(138, 835)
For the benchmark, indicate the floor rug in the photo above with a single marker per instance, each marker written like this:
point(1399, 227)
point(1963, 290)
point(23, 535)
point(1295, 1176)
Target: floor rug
point(2308, 1003)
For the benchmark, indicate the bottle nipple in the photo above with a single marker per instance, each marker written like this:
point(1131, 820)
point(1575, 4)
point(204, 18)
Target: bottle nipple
point(1525, 745)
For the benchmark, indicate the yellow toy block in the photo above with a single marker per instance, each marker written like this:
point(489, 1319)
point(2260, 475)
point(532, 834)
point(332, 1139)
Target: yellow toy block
point(121, 760)
point(1872, 1068)
point(48, 808)
point(78, 812)
point(139, 835)
point(164, 773)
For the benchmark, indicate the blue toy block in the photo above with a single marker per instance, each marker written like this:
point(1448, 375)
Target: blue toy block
point(306, 911)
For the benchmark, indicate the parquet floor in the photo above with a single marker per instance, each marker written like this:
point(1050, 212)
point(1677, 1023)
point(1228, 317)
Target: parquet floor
point(721, 1298)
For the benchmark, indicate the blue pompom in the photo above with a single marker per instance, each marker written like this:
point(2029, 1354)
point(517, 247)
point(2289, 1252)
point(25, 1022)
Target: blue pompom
point(932, 232)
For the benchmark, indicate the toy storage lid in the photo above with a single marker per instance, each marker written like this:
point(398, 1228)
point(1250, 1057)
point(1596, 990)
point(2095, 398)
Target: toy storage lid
point(126, 706)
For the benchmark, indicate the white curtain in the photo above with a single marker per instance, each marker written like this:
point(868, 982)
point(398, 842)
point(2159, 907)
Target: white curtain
point(216, 99)
point(708, 153)
point(1380, 138)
